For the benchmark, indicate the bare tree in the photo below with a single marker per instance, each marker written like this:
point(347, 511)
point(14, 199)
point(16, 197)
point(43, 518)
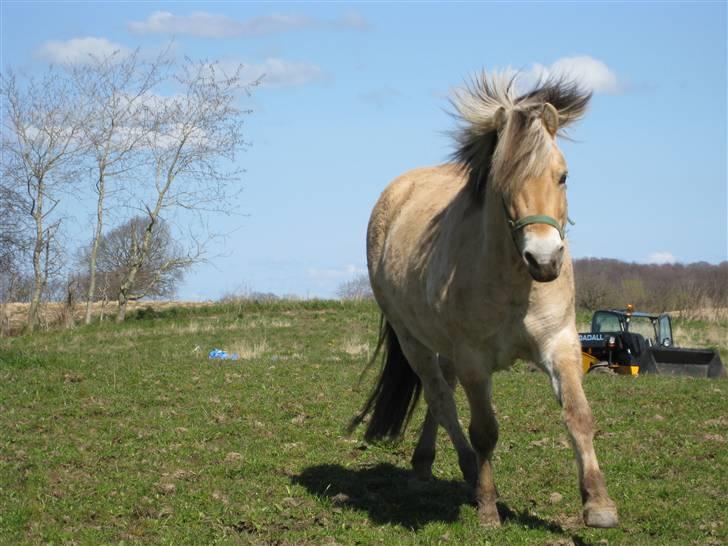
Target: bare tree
point(118, 251)
point(194, 134)
point(14, 233)
point(114, 89)
point(592, 292)
point(41, 127)
point(14, 244)
point(357, 288)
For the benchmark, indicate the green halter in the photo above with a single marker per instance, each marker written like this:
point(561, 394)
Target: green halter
point(536, 219)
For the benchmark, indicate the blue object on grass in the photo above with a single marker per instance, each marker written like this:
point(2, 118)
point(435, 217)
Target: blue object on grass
point(219, 354)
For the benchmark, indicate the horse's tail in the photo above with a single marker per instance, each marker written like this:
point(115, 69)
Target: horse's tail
point(396, 393)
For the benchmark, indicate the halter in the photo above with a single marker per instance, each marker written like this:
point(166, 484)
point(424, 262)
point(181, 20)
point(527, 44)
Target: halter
point(515, 225)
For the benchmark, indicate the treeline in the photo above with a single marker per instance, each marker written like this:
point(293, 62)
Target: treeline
point(697, 289)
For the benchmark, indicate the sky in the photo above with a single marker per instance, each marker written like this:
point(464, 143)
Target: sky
point(355, 94)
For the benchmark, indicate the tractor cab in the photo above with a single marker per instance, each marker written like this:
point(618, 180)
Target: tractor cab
point(655, 329)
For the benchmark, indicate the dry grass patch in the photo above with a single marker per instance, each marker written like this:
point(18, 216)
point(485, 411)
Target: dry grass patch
point(283, 358)
point(190, 328)
point(708, 313)
point(13, 316)
point(248, 350)
point(210, 325)
point(277, 323)
point(354, 346)
point(268, 323)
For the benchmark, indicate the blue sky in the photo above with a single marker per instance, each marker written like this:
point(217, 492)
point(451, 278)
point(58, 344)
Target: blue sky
point(356, 94)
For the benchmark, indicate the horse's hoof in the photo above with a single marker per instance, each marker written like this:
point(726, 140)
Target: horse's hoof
point(416, 483)
point(603, 515)
point(488, 515)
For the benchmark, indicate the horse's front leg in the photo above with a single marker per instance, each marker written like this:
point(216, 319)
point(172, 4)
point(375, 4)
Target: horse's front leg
point(484, 436)
point(561, 357)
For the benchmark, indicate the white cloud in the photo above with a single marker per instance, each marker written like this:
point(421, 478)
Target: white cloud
point(276, 72)
point(591, 73)
point(330, 274)
point(209, 25)
point(661, 257)
point(80, 50)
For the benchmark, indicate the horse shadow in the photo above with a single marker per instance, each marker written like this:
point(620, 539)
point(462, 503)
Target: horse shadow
point(390, 495)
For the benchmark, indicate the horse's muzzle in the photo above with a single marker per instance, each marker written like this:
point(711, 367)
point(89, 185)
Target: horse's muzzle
point(544, 266)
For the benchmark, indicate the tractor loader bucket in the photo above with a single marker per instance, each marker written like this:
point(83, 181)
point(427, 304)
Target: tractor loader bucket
point(676, 361)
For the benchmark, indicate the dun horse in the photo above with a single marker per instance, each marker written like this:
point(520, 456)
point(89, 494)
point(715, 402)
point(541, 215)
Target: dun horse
point(471, 269)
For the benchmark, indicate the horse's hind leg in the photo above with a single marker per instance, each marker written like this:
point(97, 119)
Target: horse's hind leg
point(424, 454)
point(440, 402)
point(563, 364)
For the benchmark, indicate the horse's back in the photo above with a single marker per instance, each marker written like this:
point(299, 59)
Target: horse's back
point(408, 205)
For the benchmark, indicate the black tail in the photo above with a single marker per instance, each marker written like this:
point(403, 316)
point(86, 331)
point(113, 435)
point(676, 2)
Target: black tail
point(395, 396)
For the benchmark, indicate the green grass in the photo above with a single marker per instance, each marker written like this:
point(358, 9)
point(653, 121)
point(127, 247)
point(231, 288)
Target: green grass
point(112, 434)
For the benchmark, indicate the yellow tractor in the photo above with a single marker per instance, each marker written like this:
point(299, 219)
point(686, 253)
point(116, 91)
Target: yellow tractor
point(630, 342)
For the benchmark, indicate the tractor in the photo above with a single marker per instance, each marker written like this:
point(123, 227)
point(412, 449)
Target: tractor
point(629, 342)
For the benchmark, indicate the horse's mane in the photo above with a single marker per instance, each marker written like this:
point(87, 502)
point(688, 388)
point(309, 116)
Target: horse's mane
point(502, 140)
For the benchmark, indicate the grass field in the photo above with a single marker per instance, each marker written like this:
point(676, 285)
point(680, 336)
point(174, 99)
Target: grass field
point(129, 434)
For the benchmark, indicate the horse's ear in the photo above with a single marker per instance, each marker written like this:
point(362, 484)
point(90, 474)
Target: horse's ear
point(500, 118)
point(550, 118)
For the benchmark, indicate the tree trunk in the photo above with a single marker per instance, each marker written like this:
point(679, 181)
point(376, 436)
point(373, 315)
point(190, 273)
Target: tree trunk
point(121, 315)
point(67, 311)
point(95, 248)
point(4, 320)
point(128, 284)
point(38, 270)
point(37, 287)
point(105, 298)
point(141, 252)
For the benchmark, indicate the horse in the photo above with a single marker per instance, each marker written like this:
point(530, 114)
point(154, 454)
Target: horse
point(470, 266)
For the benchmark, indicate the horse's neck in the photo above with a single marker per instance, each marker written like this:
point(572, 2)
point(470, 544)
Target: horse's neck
point(479, 256)
point(547, 304)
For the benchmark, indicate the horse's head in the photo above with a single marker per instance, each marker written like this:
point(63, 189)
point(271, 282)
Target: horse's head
point(536, 209)
point(508, 145)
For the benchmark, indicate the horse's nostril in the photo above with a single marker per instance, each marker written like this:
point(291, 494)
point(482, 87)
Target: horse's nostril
point(530, 259)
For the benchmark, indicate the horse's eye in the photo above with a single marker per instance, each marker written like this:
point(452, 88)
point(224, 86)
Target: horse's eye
point(562, 180)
